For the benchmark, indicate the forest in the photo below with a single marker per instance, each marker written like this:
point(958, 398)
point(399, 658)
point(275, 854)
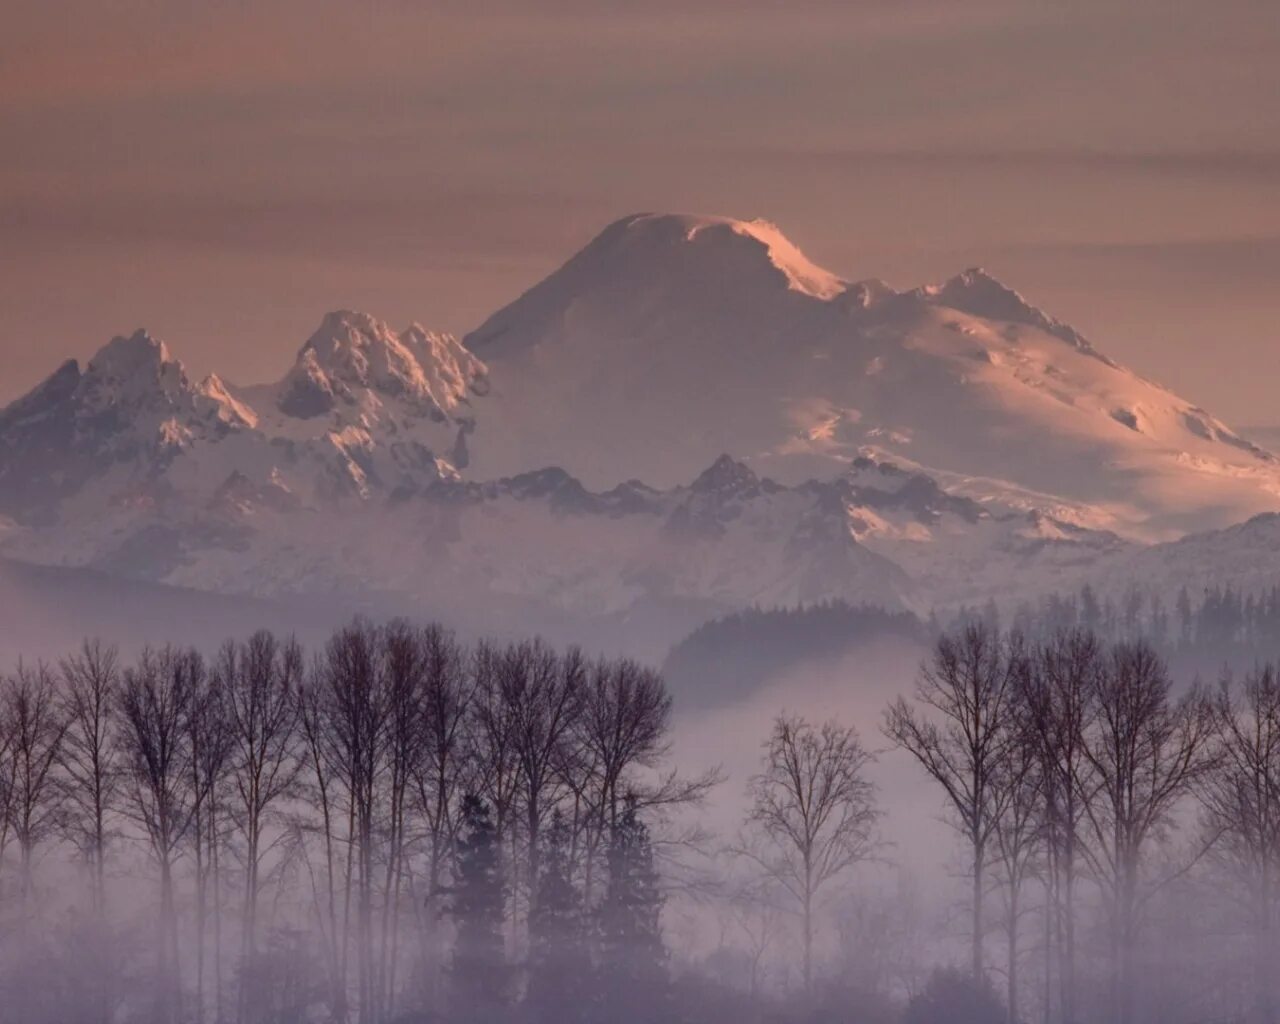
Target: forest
point(402, 827)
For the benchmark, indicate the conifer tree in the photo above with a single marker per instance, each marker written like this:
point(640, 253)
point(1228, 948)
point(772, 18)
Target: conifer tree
point(479, 971)
point(559, 960)
point(633, 974)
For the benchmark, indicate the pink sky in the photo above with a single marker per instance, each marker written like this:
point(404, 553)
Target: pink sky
point(223, 172)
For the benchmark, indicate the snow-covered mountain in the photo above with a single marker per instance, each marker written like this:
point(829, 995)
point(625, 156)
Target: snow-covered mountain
point(1246, 556)
point(542, 543)
point(907, 448)
point(363, 410)
point(671, 338)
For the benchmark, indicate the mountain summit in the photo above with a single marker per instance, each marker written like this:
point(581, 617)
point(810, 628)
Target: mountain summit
point(672, 338)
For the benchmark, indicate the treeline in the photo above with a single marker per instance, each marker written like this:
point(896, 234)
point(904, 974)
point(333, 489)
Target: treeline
point(731, 657)
point(1127, 833)
point(1198, 631)
point(399, 828)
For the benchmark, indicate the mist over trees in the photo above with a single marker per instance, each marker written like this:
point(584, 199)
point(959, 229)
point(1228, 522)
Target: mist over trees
point(1083, 767)
point(393, 828)
point(1195, 631)
point(400, 827)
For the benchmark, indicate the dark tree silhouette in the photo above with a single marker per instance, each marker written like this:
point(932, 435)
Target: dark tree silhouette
point(633, 982)
point(478, 973)
point(560, 969)
point(954, 997)
point(958, 731)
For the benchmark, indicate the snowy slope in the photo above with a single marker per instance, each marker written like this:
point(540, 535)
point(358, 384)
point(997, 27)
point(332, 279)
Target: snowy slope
point(541, 540)
point(1246, 556)
point(671, 338)
point(960, 551)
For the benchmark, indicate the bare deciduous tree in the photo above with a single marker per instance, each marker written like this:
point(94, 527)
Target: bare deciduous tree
point(35, 725)
point(622, 728)
point(208, 741)
point(155, 704)
point(1057, 699)
point(1017, 799)
point(815, 812)
point(1146, 750)
point(1241, 796)
point(90, 754)
point(438, 776)
point(353, 734)
point(958, 733)
point(258, 680)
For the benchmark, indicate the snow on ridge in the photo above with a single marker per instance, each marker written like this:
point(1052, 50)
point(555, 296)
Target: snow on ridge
point(978, 293)
point(801, 273)
point(352, 350)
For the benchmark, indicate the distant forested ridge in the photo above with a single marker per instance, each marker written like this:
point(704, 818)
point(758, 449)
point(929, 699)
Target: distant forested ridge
point(732, 657)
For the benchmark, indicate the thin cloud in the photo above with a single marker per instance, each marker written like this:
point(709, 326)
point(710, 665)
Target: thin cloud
point(1259, 166)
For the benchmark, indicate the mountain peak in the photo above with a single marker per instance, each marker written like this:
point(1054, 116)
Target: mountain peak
point(725, 475)
point(978, 293)
point(724, 234)
point(135, 372)
point(352, 354)
point(344, 331)
point(123, 357)
point(655, 260)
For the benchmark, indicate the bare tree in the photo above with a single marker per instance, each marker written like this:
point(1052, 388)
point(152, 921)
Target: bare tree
point(541, 695)
point(90, 755)
point(815, 812)
point(1146, 750)
point(1241, 796)
point(258, 680)
point(155, 705)
point(209, 742)
point(448, 691)
point(1017, 810)
point(1056, 698)
point(494, 771)
point(35, 726)
point(404, 658)
point(958, 733)
point(352, 726)
point(622, 728)
point(320, 784)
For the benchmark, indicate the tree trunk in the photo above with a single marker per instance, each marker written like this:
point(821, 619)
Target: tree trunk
point(1069, 943)
point(1012, 965)
point(978, 965)
point(808, 942)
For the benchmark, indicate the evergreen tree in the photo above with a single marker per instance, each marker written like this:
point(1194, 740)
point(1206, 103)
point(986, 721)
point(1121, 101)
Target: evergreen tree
point(559, 960)
point(633, 974)
point(479, 971)
point(955, 997)
point(1090, 609)
point(1184, 618)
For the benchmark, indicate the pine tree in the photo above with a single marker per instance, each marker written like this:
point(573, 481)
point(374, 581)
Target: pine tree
point(633, 973)
point(479, 972)
point(1184, 619)
point(559, 960)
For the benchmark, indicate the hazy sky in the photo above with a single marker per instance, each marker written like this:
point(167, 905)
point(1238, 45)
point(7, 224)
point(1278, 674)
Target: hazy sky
point(224, 171)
